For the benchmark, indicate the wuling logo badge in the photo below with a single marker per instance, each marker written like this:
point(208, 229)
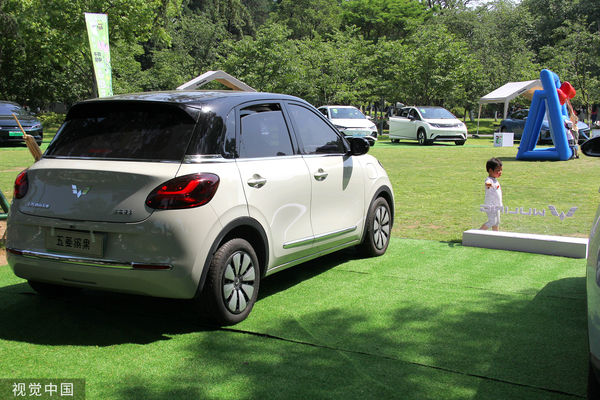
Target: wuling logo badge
point(80, 192)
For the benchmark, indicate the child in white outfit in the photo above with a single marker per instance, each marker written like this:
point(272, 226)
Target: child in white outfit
point(493, 194)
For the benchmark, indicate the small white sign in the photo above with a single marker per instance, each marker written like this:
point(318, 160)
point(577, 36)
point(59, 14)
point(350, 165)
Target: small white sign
point(503, 139)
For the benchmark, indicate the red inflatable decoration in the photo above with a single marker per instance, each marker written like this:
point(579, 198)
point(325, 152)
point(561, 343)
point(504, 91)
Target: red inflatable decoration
point(565, 92)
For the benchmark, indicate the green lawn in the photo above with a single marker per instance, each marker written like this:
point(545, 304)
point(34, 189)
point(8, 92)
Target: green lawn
point(430, 320)
point(439, 188)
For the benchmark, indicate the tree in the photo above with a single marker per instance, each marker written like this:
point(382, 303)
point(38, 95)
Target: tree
point(443, 69)
point(498, 37)
point(336, 68)
point(192, 51)
point(259, 10)
point(576, 59)
point(447, 4)
point(52, 58)
point(267, 63)
point(393, 19)
point(308, 18)
point(233, 14)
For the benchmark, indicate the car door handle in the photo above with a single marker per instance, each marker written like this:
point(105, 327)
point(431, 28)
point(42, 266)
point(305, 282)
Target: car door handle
point(320, 175)
point(257, 181)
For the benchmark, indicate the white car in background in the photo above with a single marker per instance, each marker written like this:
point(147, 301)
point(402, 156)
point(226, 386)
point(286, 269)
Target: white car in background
point(351, 122)
point(427, 125)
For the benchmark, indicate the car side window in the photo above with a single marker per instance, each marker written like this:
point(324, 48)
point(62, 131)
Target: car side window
point(323, 111)
point(263, 132)
point(314, 134)
point(404, 112)
point(519, 114)
point(413, 114)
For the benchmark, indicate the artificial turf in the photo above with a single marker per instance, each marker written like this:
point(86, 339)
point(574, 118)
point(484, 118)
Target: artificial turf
point(429, 320)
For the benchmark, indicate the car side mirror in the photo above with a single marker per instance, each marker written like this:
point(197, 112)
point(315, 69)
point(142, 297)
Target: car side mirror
point(358, 146)
point(591, 147)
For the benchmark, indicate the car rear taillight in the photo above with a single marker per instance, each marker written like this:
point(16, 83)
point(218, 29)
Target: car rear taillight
point(184, 192)
point(21, 185)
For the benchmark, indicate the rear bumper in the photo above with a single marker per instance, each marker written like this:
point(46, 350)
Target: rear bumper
point(103, 275)
point(160, 240)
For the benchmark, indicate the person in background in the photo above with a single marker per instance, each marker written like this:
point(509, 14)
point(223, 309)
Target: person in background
point(572, 138)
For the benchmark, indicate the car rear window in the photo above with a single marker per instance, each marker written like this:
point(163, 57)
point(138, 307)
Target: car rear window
point(123, 130)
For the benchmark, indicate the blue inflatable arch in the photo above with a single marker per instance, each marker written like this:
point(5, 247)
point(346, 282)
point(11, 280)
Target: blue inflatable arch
point(543, 101)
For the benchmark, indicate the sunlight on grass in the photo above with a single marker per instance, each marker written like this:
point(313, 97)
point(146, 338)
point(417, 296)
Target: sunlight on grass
point(438, 189)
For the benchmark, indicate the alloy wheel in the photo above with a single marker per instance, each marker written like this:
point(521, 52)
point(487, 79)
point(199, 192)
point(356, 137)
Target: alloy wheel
point(381, 227)
point(238, 282)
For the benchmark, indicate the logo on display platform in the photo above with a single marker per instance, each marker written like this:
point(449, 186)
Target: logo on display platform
point(529, 211)
point(80, 192)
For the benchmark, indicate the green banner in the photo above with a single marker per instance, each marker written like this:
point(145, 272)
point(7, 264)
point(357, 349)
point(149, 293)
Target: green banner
point(97, 28)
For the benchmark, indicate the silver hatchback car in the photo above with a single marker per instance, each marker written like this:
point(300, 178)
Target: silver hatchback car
point(193, 195)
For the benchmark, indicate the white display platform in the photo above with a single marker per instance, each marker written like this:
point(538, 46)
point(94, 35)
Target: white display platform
point(504, 139)
point(526, 242)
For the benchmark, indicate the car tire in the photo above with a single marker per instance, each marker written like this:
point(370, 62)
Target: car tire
point(395, 140)
point(378, 227)
point(51, 290)
point(422, 138)
point(460, 142)
point(232, 283)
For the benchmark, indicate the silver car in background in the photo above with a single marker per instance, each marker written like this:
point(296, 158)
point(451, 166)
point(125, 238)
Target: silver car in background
point(351, 122)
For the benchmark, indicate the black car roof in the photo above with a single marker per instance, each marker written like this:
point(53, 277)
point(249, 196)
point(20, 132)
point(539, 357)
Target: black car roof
point(192, 97)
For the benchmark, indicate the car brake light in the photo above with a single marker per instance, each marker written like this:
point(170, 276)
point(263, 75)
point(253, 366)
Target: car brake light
point(21, 185)
point(186, 191)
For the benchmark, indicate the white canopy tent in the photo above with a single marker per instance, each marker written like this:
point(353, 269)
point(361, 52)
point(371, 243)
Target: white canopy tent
point(219, 76)
point(504, 94)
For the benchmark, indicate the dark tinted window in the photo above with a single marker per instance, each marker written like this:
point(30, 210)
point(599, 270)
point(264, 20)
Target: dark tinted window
point(316, 136)
point(323, 111)
point(121, 130)
point(230, 148)
point(209, 138)
point(263, 132)
point(404, 112)
point(8, 109)
point(520, 114)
